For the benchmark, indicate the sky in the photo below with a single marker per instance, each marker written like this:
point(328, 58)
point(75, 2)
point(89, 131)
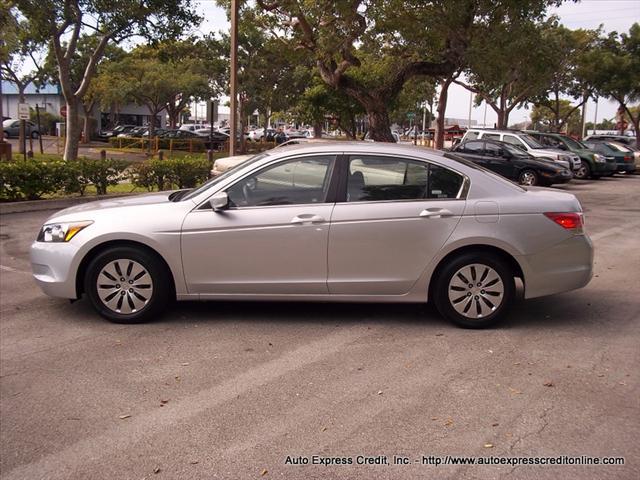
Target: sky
point(613, 15)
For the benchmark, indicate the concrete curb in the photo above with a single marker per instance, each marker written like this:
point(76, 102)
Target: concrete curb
point(54, 204)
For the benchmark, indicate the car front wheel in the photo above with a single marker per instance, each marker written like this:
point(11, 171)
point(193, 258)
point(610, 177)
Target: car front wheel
point(474, 290)
point(127, 285)
point(528, 177)
point(584, 172)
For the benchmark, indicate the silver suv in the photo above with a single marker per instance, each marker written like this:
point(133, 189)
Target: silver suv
point(527, 143)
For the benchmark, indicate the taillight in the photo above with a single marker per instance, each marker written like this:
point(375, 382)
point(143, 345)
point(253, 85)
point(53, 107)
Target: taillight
point(569, 220)
point(628, 159)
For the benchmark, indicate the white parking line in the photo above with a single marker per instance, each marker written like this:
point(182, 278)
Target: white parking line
point(613, 231)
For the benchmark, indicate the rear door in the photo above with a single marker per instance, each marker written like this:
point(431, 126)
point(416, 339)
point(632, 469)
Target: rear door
point(474, 151)
point(395, 216)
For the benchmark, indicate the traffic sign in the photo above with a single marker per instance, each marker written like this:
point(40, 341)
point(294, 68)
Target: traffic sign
point(63, 111)
point(23, 111)
point(411, 115)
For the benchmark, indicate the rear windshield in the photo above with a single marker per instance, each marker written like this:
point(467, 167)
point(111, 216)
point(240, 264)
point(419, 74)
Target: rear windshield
point(529, 140)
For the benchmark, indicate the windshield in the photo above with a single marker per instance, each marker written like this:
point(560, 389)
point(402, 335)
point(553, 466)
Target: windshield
point(571, 143)
point(618, 147)
point(195, 192)
point(529, 140)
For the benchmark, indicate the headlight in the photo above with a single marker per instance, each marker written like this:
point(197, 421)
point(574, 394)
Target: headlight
point(566, 158)
point(61, 232)
point(599, 158)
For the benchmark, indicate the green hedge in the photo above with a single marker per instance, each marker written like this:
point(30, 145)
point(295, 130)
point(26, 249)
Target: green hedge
point(33, 178)
point(184, 172)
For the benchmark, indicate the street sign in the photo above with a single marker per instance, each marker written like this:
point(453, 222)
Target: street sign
point(23, 111)
point(411, 115)
point(63, 111)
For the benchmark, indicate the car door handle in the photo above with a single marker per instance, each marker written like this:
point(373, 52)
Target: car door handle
point(436, 213)
point(307, 218)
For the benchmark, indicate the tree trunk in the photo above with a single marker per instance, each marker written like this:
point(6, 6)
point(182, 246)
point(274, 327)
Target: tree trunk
point(317, 129)
point(442, 107)
point(73, 129)
point(379, 124)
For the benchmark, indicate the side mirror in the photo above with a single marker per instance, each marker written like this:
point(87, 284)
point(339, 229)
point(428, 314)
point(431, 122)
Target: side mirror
point(219, 202)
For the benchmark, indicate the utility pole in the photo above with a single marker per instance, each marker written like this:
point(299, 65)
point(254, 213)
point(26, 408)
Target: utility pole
point(470, 108)
point(233, 121)
point(595, 117)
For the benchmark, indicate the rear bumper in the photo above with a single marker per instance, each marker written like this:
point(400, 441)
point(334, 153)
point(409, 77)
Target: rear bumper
point(563, 177)
point(561, 268)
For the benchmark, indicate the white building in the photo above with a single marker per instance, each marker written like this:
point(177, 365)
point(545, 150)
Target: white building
point(49, 99)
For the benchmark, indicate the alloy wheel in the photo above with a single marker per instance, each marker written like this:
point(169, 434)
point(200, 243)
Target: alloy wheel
point(124, 286)
point(476, 291)
point(528, 178)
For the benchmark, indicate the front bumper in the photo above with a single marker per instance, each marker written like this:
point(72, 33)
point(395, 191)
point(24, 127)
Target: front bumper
point(52, 267)
point(604, 168)
point(561, 177)
point(566, 266)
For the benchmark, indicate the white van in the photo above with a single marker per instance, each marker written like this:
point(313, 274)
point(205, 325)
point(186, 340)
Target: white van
point(527, 143)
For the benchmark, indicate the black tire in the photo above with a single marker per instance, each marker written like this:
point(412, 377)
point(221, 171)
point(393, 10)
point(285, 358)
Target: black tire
point(442, 288)
point(529, 177)
point(35, 135)
point(584, 172)
point(161, 286)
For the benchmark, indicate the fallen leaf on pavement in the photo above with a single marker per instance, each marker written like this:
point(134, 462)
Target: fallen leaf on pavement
point(488, 445)
point(185, 364)
point(156, 470)
point(514, 391)
point(263, 472)
point(549, 384)
point(122, 417)
point(379, 392)
point(495, 424)
point(324, 429)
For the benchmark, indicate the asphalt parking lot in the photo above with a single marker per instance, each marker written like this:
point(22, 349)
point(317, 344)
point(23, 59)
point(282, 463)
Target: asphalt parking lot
point(223, 390)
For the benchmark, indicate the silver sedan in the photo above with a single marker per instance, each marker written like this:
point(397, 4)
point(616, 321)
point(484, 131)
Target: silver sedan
point(349, 222)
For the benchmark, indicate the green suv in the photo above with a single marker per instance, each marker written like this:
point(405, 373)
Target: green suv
point(594, 165)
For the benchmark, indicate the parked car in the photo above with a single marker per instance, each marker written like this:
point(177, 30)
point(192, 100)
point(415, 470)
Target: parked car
point(359, 222)
point(627, 141)
point(396, 137)
point(133, 133)
point(192, 127)
point(624, 139)
point(593, 165)
point(114, 132)
point(526, 143)
point(623, 156)
point(512, 163)
point(221, 165)
point(11, 129)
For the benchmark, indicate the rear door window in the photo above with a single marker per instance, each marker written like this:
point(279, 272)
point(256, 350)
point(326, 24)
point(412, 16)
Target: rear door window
point(374, 178)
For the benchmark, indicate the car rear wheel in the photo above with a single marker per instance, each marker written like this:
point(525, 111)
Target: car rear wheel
point(127, 285)
point(35, 135)
point(584, 172)
point(475, 290)
point(528, 177)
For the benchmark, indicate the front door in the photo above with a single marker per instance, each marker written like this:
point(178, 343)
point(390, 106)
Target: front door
point(397, 215)
point(271, 240)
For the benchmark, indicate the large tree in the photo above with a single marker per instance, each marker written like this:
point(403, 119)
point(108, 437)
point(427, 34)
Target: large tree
point(62, 22)
point(21, 56)
point(368, 50)
point(508, 64)
point(616, 71)
point(571, 77)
